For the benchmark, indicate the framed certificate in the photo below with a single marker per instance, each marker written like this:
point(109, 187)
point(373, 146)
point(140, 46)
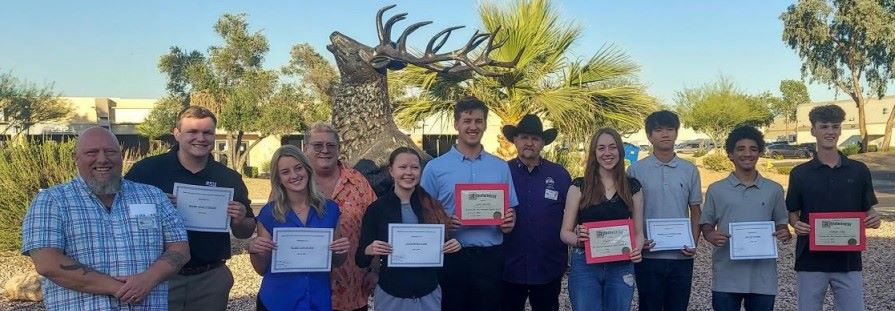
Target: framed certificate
point(301, 250)
point(609, 241)
point(837, 231)
point(481, 204)
point(416, 245)
point(670, 233)
point(203, 208)
point(752, 240)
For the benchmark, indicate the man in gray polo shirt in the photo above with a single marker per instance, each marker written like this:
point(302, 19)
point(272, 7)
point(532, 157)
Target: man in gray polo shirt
point(743, 196)
point(671, 189)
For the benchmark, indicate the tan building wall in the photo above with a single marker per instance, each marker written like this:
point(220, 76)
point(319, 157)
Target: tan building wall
point(877, 112)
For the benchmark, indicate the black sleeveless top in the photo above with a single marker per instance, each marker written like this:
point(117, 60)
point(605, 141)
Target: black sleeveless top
point(611, 209)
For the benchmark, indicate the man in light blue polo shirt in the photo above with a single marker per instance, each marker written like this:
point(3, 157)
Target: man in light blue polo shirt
point(471, 277)
point(671, 189)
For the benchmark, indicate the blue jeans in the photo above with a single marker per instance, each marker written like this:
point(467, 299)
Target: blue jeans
point(723, 301)
point(664, 284)
point(600, 287)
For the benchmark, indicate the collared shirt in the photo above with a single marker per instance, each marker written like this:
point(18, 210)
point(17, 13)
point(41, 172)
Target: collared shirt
point(816, 188)
point(452, 168)
point(668, 190)
point(534, 252)
point(727, 201)
point(353, 195)
point(165, 169)
point(122, 241)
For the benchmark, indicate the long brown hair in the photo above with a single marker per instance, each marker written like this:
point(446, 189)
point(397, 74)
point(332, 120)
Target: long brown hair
point(594, 192)
point(432, 211)
point(281, 202)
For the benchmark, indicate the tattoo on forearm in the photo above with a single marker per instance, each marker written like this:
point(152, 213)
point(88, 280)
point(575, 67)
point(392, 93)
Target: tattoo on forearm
point(174, 258)
point(77, 266)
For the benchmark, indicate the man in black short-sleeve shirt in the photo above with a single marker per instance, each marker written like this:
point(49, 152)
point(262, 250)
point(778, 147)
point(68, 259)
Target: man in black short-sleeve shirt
point(830, 182)
point(204, 282)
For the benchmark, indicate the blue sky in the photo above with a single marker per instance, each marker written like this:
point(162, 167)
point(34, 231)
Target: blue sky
point(111, 48)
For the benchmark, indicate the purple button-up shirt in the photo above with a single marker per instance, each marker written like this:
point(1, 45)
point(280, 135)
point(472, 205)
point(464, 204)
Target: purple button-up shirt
point(534, 252)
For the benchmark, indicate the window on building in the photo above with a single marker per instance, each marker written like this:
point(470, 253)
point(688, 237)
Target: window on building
point(885, 110)
point(436, 145)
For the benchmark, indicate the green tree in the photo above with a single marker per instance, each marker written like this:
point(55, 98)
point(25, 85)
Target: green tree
point(316, 77)
point(232, 82)
point(794, 94)
point(161, 118)
point(843, 43)
point(717, 108)
point(575, 95)
point(23, 104)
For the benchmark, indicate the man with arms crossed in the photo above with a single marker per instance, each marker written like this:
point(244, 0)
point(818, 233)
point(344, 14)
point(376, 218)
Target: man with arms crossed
point(204, 282)
point(103, 243)
point(744, 196)
point(830, 182)
point(671, 189)
point(535, 261)
point(471, 278)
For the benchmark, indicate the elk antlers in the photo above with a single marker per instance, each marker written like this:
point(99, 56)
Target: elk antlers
point(394, 55)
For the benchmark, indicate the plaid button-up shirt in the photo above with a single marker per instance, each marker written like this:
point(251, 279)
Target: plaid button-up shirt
point(121, 242)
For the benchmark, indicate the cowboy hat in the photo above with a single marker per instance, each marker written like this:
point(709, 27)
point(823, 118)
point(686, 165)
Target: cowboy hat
point(530, 124)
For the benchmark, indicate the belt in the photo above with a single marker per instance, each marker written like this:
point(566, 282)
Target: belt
point(200, 269)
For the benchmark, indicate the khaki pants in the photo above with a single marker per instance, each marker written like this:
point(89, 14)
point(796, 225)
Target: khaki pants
point(205, 291)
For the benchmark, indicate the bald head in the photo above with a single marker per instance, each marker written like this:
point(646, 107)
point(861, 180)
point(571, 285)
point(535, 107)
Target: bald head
point(98, 157)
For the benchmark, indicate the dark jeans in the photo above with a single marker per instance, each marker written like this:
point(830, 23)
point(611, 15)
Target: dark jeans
point(722, 301)
point(472, 279)
point(541, 296)
point(664, 284)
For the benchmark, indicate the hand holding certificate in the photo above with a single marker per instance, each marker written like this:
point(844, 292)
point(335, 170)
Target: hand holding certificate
point(609, 241)
point(837, 231)
point(301, 250)
point(670, 233)
point(416, 245)
point(481, 204)
point(752, 240)
point(203, 208)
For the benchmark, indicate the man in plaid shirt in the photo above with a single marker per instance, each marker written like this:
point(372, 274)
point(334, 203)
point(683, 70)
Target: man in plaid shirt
point(102, 242)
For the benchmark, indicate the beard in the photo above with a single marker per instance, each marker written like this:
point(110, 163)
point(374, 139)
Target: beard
point(111, 186)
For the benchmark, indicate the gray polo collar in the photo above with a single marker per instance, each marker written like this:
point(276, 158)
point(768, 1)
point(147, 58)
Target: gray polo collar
point(673, 163)
point(734, 181)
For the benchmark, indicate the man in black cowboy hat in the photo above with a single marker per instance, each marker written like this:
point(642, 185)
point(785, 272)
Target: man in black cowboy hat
point(535, 255)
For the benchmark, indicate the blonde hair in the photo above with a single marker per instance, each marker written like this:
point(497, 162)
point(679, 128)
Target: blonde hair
point(281, 202)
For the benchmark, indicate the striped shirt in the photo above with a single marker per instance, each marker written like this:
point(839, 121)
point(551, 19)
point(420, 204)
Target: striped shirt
point(121, 242)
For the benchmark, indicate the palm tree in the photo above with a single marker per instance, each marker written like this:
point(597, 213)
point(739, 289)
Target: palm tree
point(575, 96)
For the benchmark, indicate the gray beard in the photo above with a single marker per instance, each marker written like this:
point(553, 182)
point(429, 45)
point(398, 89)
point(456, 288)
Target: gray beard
point(112, 186)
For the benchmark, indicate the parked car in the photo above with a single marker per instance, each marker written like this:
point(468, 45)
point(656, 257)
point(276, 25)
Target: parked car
point(786, 151)
point(810, 147)
point(693, 146)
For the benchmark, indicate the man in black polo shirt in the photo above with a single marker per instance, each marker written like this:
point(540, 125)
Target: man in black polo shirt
point(829, 183)
point(204, 282)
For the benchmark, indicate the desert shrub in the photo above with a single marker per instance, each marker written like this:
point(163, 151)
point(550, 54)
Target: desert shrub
point(784, 170)
point(717, 161)
point(851, 150)
point(26, 167)
point(699, 153)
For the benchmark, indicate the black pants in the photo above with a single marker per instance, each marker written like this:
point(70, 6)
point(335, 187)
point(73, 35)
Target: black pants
point(664, 284)
point(542, 297)
point(471, 279)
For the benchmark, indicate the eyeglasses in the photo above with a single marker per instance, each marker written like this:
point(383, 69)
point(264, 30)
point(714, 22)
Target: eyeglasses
point(319, 147)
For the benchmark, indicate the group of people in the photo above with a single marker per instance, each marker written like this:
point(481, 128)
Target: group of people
point(110, 243)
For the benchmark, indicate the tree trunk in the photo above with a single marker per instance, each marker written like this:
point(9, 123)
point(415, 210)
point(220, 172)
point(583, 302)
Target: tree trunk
point(862, 123)
point(887, 138)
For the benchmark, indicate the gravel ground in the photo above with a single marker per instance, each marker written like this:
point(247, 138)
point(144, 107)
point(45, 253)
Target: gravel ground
point(878, 275)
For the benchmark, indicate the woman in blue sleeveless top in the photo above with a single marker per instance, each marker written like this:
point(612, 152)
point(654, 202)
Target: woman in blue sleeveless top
point(604, 193)
point(297, 202)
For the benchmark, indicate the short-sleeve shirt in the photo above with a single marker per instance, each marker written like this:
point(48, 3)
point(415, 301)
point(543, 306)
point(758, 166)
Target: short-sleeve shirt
point(816, 188)
point(353, 194)
point(668, 191)
point(452, 168)
point(165, 169)
point(728, 201)
point(611, 209)
point(533, 250)
point(121, 241)
point(297, 290)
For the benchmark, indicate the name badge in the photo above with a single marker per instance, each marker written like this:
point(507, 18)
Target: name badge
point(551, 194)
point(144, 215)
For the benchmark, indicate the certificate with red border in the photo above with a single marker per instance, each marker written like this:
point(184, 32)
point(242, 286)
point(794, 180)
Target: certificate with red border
point(610, 240)
point(837, 231)
point(481, 204)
